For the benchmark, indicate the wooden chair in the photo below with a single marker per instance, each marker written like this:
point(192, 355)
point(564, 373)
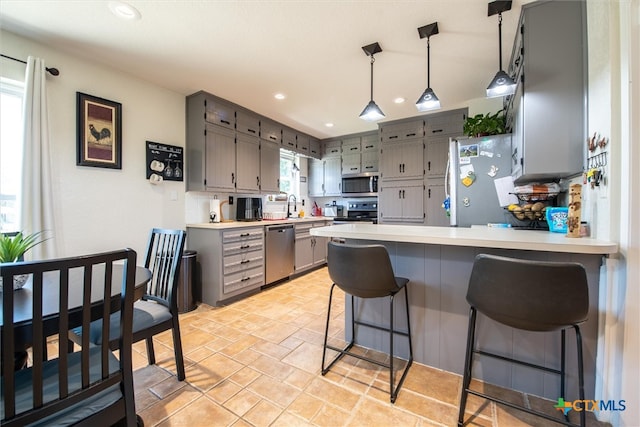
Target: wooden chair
point(158, 310)
point(89, 387)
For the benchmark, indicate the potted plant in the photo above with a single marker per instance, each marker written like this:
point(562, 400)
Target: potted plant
point(13, 247)
point(485, 124)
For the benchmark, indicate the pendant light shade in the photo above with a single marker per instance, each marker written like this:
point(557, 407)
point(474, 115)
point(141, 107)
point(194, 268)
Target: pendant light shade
point(502, 84)
point(428, 100)
point(372, 112)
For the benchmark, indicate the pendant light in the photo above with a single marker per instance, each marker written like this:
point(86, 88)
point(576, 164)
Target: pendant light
point(372, 112)
point(502, 84)
point(428, 100)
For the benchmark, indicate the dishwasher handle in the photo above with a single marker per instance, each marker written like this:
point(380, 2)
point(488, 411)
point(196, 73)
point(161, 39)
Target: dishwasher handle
point(279, 228)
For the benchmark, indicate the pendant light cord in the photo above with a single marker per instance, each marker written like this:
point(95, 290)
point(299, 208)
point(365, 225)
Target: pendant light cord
point(372, 61)
point(500, 40)
point(428, 64)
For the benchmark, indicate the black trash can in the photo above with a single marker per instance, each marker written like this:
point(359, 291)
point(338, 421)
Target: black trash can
point(186, 300)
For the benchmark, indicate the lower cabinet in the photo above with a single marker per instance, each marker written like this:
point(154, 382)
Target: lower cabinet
point(401, 201)
point(232, 261)
point(311, 251)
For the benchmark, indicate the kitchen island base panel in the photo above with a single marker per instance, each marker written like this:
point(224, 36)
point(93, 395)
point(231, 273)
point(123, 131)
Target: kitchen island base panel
point(439, 277)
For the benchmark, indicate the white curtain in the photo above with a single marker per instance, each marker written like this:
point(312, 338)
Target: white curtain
point(37, 197)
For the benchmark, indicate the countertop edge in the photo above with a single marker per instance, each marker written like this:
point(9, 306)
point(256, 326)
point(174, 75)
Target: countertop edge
point(264, 223)
point(483, 237)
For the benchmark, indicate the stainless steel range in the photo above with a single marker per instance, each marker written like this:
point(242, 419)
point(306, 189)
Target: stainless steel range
point(360, 211)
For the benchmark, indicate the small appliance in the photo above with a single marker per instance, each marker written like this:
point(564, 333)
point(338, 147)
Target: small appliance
point(360, 185)
point(248, 209)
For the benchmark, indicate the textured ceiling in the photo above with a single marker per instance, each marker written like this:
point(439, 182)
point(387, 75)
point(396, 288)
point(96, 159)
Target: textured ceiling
point(246, 51)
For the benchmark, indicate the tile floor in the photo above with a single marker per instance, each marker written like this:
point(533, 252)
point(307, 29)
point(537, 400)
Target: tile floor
point(256, 362)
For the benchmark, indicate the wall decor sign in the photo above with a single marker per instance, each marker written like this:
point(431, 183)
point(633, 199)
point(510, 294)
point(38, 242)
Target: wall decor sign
point(164, 162)
point(99, 132)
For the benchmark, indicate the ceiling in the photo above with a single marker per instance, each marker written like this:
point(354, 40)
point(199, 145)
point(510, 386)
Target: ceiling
point(310, 50)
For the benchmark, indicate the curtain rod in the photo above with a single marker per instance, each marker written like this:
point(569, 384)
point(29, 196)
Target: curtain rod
point(52, 71)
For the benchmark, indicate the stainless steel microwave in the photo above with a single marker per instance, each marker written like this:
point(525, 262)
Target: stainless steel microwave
point(360, 185)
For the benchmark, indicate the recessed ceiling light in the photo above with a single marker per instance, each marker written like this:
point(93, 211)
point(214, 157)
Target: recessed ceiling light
point(279, 96)
point(124, 10)
point(399, 100)
point(329, 125)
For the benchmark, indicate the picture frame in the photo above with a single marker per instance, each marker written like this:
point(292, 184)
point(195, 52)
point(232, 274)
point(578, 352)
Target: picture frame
point(99, 132)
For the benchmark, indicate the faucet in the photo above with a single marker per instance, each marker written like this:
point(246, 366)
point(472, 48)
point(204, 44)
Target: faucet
point(295, 201)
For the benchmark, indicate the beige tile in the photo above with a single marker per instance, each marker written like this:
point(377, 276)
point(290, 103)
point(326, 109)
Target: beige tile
point(372, 413)
point(434, 383)
point(169, 406)
point(245, 376)
point(287, 419)
point(211, 371)
point(330, 416)
point(305, 406)
point(198, 412)
point(428, 408)
point(263, 414)
point(223, 391)
point(274, 390)
point(307, 357)
point(275, 332)
point(270, 349)
point(166, 387)
point(299, 378)
point(242, 402)
point(272, 367)
point(333, 394)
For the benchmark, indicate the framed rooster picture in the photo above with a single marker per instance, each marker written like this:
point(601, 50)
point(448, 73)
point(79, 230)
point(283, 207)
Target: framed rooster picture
point(99, 132)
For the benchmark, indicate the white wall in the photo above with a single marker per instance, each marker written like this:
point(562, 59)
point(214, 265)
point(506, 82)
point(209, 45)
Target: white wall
point(102, 209)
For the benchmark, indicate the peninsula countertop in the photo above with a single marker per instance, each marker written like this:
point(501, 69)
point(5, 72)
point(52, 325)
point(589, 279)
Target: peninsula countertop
point(477, 236)
point(263, 223)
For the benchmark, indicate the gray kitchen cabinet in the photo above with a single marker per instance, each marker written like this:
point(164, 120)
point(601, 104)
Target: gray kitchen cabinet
point(302, 145)
point(401, 131)
point(310, 251)
point(351, 163)
point(289, 139)
point(248, 124)
point(435, 213)
point(445, 123)
point(369, 161)
point(219, 113)
point(270, 131)
point(369, 142)
point(401, 202)
point(549, 63)
point(332, 148)
point(220, 155)
point(402, 160)
point(210, 123)
point(316, 178)
point(436, 154)
point(315, 148)
point(325, 178)
point(269, 167)
point(232, 262)
point(304, 248)
point(332, 176)
point(247, 163)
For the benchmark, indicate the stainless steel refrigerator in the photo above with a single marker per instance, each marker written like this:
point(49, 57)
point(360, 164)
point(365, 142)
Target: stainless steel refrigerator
point(474, 166)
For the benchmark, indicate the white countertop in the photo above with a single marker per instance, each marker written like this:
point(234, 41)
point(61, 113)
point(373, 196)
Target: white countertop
point(265, 222)
point(482, 237)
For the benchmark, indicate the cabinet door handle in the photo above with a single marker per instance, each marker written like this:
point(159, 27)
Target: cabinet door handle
point(403, 194)
point(273, 138)
point(399, 167)
point(245, 279)
point(429, 193)
point(245, 261)
point(354, 169)
point(411, 134)
point(353, 148)
point(233, 178)
point(245, 235)
point(257, 181)
point(399, 194)
point(251, 130)
point(245, 247)
point(368, 167)
point(393, 137)
point(436, 130)
point(429, 165)
point(226, 122)
point(368, 146)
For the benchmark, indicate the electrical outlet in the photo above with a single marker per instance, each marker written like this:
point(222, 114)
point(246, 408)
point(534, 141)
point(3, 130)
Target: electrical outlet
point(230, 200)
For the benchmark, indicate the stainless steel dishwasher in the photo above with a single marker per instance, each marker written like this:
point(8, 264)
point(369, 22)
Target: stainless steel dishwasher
point(279, 252)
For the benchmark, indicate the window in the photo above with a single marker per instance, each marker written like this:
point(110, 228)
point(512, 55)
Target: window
point(11, 100)
point(290, 173)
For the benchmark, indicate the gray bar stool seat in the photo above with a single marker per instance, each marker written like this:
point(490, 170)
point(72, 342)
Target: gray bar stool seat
point(365, 271)
point(532, 296)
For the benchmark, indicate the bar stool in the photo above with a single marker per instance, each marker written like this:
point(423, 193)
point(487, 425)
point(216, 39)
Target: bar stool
point(365, 271)
point(531, 296)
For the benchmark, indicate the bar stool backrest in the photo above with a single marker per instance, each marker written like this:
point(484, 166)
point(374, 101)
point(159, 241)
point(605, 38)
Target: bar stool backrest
point(529, 295)
point(364, 271)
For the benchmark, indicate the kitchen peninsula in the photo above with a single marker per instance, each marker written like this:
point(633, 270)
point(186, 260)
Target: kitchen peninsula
point(438, 262)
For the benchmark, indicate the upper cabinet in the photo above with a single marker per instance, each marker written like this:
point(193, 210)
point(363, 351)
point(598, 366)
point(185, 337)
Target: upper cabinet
point(248, 124)
point(289, 139)
point(547, 115)
point(402, 131)
point(270, 131)
point(219, 113)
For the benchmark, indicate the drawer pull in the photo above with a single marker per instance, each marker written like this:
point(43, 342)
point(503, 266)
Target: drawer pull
point(246, 261)
point(245, 279)
point(244, 235)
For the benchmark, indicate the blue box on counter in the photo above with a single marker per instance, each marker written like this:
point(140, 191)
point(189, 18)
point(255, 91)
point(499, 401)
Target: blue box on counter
point(557, 219)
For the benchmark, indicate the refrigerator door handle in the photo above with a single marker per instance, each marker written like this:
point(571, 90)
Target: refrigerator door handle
point(452, 172)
